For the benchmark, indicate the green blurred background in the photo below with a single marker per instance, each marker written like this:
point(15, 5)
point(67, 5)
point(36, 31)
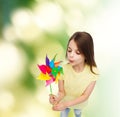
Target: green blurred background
point(30, 29)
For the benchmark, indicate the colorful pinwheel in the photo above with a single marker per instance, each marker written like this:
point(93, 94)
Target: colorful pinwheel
point(50, 72)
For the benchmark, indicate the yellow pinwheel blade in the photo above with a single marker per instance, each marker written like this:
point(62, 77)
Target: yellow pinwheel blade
point(43, 76)
point(57, 77)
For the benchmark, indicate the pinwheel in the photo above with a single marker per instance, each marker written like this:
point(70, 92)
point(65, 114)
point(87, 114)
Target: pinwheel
point(50, 72)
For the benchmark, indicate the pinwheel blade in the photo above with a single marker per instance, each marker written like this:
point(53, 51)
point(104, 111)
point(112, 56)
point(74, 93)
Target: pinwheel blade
point(48, 82)
point(44, 77)
point(47, 61)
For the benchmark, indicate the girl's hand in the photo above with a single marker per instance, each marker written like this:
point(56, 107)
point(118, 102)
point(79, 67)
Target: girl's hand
point(59, 107)
point(53, 99)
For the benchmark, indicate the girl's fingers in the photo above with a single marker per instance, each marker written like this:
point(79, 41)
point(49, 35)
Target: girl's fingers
point(53, 97)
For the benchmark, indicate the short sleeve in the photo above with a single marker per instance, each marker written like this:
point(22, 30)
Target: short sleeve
point(61, 77)
point(95, 75)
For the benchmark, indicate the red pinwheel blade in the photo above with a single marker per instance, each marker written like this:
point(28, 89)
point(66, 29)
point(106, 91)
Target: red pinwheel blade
point(42, 68)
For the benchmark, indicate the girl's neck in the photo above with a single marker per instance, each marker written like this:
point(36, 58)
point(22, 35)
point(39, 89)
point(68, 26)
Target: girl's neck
point(79, 68)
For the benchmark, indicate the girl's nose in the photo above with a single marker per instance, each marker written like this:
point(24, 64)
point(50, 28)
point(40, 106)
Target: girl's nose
point(71, 54)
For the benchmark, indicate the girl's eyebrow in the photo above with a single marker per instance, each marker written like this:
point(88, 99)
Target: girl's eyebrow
point(69, 47)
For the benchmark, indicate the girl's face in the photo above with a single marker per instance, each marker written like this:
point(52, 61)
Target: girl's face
point(73, 55)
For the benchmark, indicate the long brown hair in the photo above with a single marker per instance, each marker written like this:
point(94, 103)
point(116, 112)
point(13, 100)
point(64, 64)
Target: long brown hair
point(85, 46)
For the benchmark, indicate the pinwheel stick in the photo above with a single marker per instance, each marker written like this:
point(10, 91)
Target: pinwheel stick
point(50, 89)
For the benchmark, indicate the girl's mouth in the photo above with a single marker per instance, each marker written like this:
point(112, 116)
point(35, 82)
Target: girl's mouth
point(71, 61)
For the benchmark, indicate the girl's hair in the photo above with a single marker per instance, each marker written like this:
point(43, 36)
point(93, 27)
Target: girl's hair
point(85, 46)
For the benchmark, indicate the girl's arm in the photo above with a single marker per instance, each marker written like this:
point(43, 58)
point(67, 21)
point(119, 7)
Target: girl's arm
point(82, 98)
point(53, 99)
point(61, 91)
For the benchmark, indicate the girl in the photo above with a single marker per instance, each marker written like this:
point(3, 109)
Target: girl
point(80, 75)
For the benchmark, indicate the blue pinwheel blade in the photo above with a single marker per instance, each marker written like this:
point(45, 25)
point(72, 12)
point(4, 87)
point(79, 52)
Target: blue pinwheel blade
point(51, 64)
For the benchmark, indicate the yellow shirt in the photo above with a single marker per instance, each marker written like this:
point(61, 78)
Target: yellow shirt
point(76, 83)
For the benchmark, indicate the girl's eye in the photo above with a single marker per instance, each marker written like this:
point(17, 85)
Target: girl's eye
point(78, 52)
point(69, 50)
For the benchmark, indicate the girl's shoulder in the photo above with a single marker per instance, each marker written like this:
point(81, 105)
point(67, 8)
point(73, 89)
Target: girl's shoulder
point(95, 75)
point(95, 70)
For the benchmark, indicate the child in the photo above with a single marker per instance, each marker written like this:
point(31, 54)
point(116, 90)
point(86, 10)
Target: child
point(79, 78)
